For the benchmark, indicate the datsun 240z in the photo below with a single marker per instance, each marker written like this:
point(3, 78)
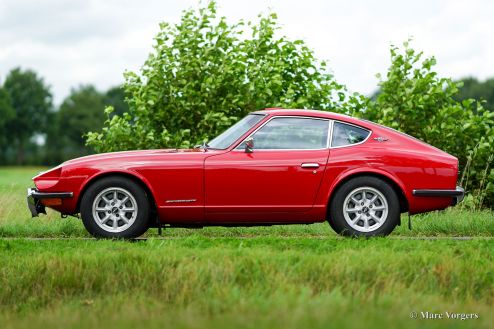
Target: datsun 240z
point(272, 167)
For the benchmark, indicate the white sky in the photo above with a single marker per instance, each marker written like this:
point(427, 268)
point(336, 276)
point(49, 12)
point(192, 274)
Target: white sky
point(70, 42)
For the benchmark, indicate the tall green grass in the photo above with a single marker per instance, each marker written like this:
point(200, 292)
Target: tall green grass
point(297, 276)
point(262, 282)
point(15, 220)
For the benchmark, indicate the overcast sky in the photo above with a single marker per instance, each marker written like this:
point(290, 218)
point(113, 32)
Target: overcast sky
point(70, 42)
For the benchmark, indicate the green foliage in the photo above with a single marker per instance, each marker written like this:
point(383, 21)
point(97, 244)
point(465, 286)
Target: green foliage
point(80, 112)
point(415, 100)
point(226, 277)
point(32, 102)
point(204, 74)
point(255, 282)
point(115, 97)
point(474, 89)
point(15, 221)
point(7, 113)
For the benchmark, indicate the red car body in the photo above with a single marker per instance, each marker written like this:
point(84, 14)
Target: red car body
point(231, 187)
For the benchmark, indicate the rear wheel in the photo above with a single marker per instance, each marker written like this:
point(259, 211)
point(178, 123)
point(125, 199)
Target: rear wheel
point(364, 206)
point(115, 207)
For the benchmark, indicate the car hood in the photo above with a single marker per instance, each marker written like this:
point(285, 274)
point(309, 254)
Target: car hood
point(131, 155)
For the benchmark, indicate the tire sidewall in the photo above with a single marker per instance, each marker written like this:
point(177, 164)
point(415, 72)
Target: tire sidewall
point(140, 224)
point(336, 216)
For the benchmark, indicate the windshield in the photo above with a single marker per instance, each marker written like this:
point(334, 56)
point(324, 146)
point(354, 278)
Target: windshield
point(229, 136)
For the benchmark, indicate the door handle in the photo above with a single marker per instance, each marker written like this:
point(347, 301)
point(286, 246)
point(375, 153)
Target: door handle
point(309, 165)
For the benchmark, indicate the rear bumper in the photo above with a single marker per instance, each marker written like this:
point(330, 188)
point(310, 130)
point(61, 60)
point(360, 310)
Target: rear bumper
point(34, 198)
point(457, 195)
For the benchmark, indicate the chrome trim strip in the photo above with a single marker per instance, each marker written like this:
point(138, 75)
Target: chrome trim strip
point(457, 195)
point(252, 113)
point(330, 133)
point(272, 150)
point(438, 193)
point(331, 123)
point(349, 145)
point(235, 148)
point(181, 201)
point(49, 195)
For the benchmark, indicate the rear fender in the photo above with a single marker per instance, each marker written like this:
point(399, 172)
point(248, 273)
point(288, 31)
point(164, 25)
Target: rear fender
point(346, 175)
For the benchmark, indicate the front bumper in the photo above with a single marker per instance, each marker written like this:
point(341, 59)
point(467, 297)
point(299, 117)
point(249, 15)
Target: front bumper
point(34, 198)
point(457, 195)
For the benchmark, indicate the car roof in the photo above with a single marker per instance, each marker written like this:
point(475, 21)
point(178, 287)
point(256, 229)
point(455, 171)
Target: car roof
point(314, 113)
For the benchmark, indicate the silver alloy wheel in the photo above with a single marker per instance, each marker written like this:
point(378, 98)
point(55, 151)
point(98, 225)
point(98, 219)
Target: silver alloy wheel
point(365, 209)
point(114, 209)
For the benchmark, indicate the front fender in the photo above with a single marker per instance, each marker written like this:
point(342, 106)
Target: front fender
point(121, 172)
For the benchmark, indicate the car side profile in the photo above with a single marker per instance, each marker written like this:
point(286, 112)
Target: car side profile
point(272, 167)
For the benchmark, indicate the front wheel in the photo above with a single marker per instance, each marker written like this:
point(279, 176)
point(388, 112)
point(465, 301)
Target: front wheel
point(115, 207)
point(364, 206)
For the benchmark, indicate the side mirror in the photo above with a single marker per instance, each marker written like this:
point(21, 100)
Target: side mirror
point(249, 145)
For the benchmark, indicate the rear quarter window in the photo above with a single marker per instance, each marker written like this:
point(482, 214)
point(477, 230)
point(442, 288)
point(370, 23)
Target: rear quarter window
point(346, 134)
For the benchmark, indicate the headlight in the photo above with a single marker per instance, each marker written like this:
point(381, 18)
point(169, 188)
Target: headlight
point(49, 174)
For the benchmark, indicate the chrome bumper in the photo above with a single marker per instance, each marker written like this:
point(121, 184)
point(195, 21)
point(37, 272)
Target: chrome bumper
point(458, 194)
point(34, 197)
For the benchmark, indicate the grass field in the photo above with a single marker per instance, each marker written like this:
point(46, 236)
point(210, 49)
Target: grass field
point(301, 276)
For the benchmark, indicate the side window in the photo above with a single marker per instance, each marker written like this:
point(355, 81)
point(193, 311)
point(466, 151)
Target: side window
point(291, 133)
point(344, 134)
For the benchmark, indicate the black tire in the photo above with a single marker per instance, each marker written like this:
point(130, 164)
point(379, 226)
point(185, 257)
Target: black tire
point(389, 221)
point(138, 223)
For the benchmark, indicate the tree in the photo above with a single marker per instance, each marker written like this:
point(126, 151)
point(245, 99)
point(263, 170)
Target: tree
point(7, 113)
point(32, 101)
point(204, 74)
point(115, 97)
point(472, 88)
point(80, 112)
point(413, 99)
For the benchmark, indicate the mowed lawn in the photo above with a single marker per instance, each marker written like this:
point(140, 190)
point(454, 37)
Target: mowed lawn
point(300, 276)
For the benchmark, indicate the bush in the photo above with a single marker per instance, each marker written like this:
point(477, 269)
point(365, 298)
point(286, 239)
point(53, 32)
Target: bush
point(413, 99)
point(204, 74)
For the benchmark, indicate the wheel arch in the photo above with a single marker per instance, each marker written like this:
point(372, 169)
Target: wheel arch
point(392, 181)
point(141, 181)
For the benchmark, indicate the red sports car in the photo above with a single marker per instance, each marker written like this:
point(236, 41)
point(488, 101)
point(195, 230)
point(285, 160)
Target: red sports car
point(272, 167)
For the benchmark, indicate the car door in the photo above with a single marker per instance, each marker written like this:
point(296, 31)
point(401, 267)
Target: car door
point(277, 181)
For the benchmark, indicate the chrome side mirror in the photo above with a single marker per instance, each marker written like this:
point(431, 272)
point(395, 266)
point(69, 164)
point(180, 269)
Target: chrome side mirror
point(249, 145)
